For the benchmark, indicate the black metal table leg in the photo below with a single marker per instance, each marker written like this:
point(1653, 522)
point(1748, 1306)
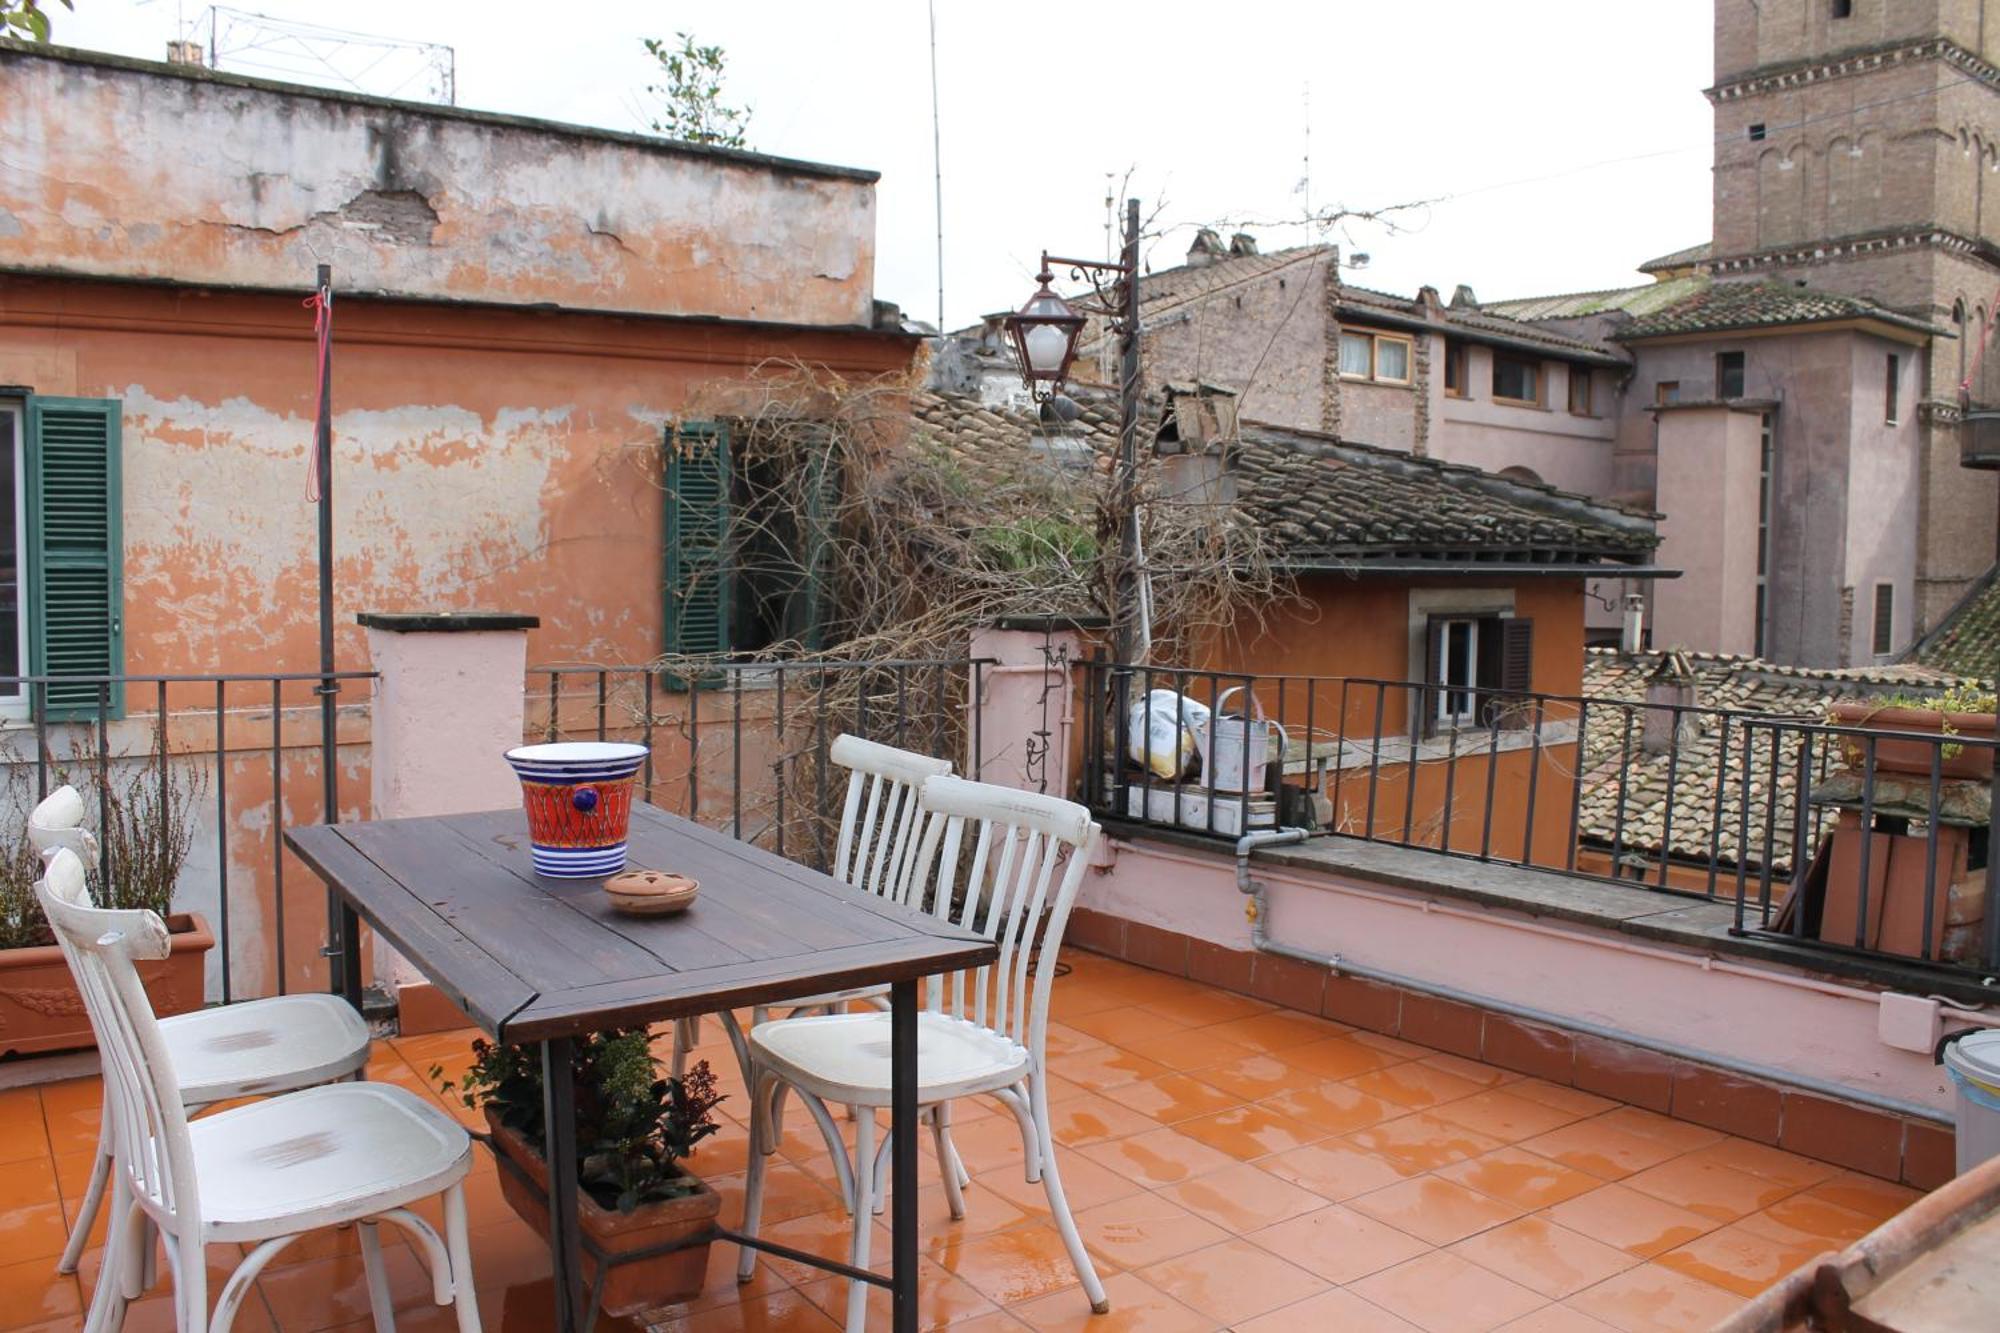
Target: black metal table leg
point(903, 1153)
point(559, 1151)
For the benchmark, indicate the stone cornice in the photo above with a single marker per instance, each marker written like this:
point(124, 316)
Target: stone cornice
point(1850, 247)
point(1800, 74)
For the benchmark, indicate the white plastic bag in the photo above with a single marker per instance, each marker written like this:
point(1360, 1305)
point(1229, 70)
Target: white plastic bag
point(1162, 734)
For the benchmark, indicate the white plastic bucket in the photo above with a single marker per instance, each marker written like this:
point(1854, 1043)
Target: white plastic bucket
point(1973, 1061)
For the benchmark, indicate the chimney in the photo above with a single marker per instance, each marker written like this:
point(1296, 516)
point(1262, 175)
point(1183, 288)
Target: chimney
point(1634, 639)
point(1668, 689)
point(1242, 243)
point(184, 53)
point(1207, 248)
point(1463, 299)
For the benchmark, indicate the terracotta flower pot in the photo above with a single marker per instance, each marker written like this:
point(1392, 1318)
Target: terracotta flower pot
point(41, 1011)
point(628, 1288)
point(1914, 757)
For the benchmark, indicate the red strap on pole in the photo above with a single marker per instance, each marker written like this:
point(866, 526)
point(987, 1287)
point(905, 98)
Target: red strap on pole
point(321, 304)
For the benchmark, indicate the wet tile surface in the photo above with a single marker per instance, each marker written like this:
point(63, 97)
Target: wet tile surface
point(1232, 1166)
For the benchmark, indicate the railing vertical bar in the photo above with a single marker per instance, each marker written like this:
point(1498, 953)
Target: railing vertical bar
point(778, 753)
point(1672, 794)
point(105, 868)
point(978, 726)
point(1492, 777)
point(646, 700)
point(902, 708)
point(1534, 784)
point(1576, 787)
point(221, 831)
point(1770, 831)
point(819, 760)
point(1715, 818)
point(1867, 833)
point(549, 729)
point(1339, 750)
point(1743, 822)
point(1624, 794)
point(603, 702)
point(38, 706)
point(1375, 758)
point(1417, 721)
point(1801, 821)
point(694, 753)
point(736, 755)
point(278, 823)
point(1450, 785)
point(1249, 707)
point(1931, 850)
point(161, 747)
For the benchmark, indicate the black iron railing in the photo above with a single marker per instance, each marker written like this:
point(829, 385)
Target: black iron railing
point(206, 771)
point(1766, 813)
point(746, 750)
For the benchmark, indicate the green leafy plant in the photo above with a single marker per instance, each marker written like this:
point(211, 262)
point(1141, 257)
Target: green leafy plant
point(27, 18)
point(633, 1128)
point(691, 106)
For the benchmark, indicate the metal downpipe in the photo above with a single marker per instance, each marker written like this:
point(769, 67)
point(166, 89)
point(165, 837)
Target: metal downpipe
point(1259, 912)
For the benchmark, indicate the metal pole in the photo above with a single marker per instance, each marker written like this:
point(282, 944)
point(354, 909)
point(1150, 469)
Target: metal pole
point(1991, 961)
point(1130, 647)
point(342, 928)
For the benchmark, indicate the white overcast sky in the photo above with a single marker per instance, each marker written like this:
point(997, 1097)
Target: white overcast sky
point(1567, 139)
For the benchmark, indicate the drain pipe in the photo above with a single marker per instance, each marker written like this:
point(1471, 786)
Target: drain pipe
point(1259, 912)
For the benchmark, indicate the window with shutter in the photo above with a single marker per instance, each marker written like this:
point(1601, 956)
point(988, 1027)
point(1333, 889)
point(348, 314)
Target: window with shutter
point(75, 551)
point(699, 573)
point(1478, 670)
point(1517, 673)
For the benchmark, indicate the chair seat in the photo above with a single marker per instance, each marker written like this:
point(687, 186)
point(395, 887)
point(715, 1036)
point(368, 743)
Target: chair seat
point(845, 1057)
point(264, 1046)
point(320, 1157)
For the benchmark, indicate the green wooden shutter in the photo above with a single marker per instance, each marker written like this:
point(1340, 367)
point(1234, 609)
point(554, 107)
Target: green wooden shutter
point(698, 564)
point(76, 620)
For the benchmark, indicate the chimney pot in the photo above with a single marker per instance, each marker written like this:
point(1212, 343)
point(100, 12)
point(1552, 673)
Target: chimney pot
point(1242, 243)
point(184, 52)
point(1205, 248)
point(1463, 297)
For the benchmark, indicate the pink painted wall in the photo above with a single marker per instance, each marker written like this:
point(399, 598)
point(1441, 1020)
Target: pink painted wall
point(1708, 491)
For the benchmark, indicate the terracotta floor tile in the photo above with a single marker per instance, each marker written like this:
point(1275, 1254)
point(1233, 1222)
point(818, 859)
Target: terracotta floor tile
point(22, 1134)
point(1710, 1188)
point(1772, 1164)
point(1422, 1142)
point(325, 1292)
point(32, 1290)
point(1162, 1156)
point(1074, 1001)
point(1395, 1047)
point(1335, 1169)
point(1232, 1281)
point(828, 1235)
point(1487, 1076)
point(1338, 1243)
point(1433, 1209)
point(1333, 1311)
point(1636, 1223)
point(1085, 1185)
point(991, 1144)
point(1555, 1319)
point(1652, 1299)
point(1243, 1198)
point(1091, 1118)
point(1333, 1106)
point(943, 1301)
point(33, 1230)
point(1254, 1077)
point(1187, 1049)
point(778, 1312)
point(1205, 1006)
point(1120, 1024)
point(1278, 1030)
point(1442, 1293)
point(1171, 1098)
point(1416, 1084)
point(1136, 1307)
point(1503, 1114)
point(1104, 1066)
point(1574, 1100)
point(1013, 1266)
point(1874, 1199)
point(1804, 1218)
point(1250, 1132)
point(1144, 1229)
point(1342, 1056)
point(1525, 1179)
point(1544, 1257)
point(1743, 1258)
point(1062, 1039)
point(789, 1191)
point(1606, 1150)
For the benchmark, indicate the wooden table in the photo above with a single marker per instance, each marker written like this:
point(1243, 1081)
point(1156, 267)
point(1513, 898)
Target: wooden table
point(541, 961)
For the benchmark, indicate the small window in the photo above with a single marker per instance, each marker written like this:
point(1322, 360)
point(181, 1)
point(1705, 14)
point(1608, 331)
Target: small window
point(1729, 374)
point(1885, 619)
point(1579, 390)
point(1382, 357)
point(1893, 367)
point(1480, 668)
point(1665, 392)
point(1454, 367)
point(1843, 9)
point(1516, 379)
point(1757, 132)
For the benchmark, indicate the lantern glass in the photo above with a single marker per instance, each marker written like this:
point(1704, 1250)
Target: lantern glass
point(1045, 333)
point(1048, 348)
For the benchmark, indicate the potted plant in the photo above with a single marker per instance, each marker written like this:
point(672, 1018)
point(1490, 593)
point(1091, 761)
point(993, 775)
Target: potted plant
point(634, 1131)
point(1962, 710)
point(147, 823)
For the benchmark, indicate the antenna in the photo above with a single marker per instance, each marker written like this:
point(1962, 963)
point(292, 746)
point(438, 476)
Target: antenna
point(330, 57)
point(937, 167)
point(1110, 214)
point(1305, 186)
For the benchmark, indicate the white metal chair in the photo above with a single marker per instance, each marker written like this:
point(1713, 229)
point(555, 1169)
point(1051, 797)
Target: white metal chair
point(874, 852)
point(981, 1031)
point(248, 1049)
point(260, 1175)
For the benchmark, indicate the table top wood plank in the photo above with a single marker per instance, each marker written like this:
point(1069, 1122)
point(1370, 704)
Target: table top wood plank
point(533, 958)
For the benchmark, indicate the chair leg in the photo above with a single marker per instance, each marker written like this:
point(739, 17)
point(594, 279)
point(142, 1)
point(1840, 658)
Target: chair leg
point(93, 1199)
point(1015, 1099)
point(864, 1218)
point(762, 1145)
point(135, 1258)
point(947, 1160)
point(107, 1300)
point(464, 1303)
point(379, 1305)
point(191, 1283)
point(958, 1170)
point(1086, 1271)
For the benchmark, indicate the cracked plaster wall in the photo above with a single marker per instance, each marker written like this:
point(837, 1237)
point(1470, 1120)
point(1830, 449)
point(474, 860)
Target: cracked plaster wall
point(120, 169)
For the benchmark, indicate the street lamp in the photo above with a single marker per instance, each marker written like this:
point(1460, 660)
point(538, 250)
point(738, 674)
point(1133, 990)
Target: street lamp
point(1045, 333)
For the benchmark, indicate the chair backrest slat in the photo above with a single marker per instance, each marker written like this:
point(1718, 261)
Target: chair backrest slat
point(143, 1101)
point(880, 818)
point(1022, 870)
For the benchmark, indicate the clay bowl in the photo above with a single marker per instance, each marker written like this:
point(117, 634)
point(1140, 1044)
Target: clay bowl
point(650, 892)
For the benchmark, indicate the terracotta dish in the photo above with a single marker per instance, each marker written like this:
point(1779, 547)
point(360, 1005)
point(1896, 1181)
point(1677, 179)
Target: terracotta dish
point(650, 892)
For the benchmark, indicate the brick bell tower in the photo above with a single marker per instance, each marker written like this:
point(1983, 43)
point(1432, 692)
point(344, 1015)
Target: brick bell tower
point(1857, 151)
